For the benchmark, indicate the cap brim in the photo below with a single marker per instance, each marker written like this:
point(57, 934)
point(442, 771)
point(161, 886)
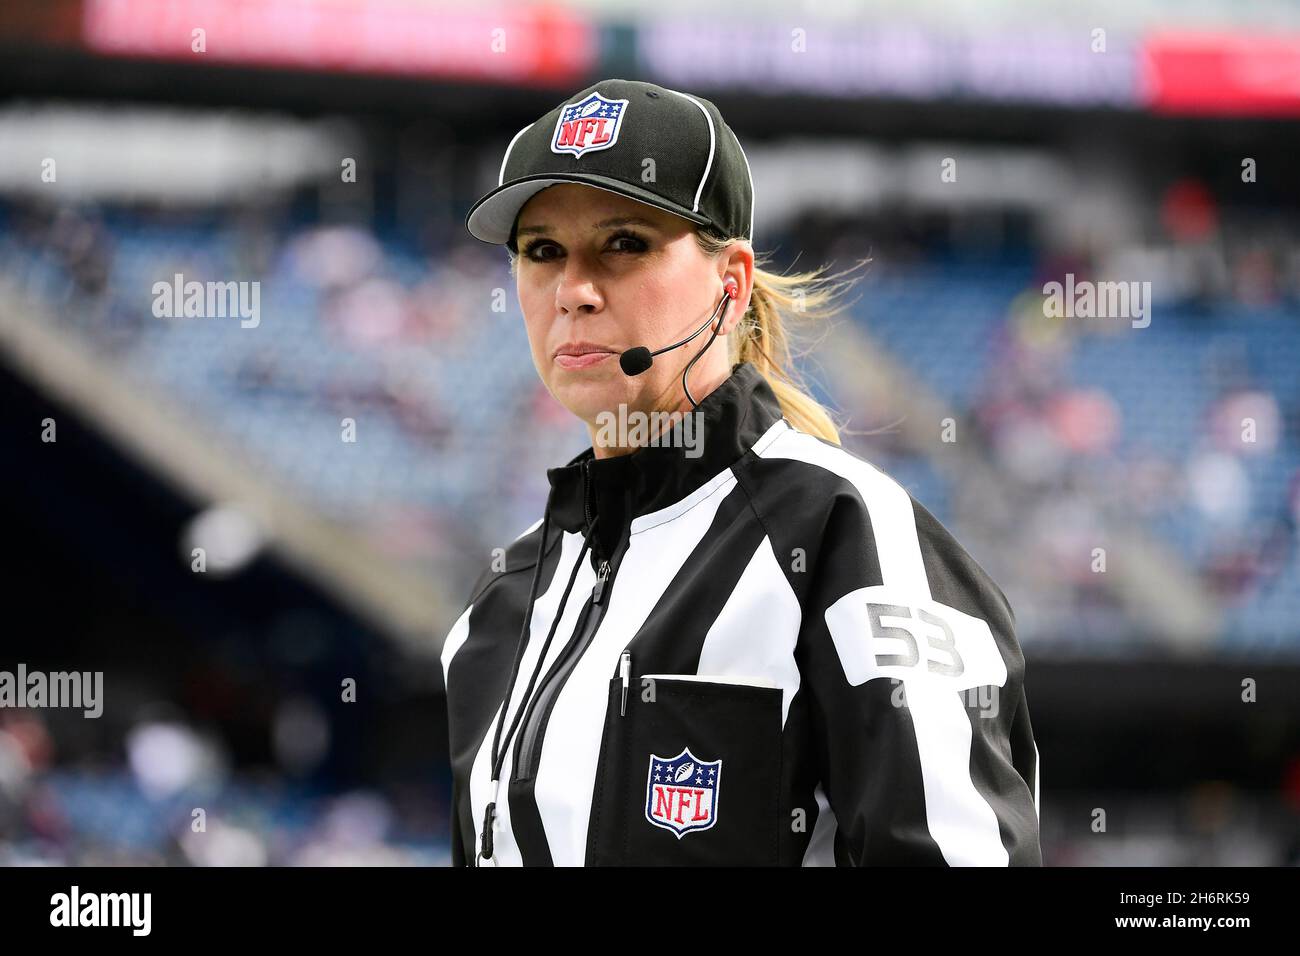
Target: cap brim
point(492, 218)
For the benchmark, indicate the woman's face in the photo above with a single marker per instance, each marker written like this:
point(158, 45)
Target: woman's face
point(599, 273)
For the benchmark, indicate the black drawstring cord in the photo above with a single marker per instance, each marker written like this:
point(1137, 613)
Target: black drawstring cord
point(498, 758)
point(486, 841)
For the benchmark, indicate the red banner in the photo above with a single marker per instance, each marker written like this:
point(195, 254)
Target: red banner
point(545, 45)
point(1222, 74)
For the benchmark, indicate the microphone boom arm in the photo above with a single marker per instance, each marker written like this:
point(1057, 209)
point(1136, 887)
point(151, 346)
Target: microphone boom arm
point(636, 360)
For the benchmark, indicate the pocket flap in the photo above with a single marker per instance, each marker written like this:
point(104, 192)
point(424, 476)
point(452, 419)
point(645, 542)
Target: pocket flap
point(752, 681)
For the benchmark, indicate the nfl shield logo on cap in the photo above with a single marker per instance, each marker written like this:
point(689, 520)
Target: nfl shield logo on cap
point(682, 792)
point(590, 124)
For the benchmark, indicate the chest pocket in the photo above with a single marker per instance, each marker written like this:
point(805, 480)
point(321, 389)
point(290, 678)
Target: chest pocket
point(690, 775)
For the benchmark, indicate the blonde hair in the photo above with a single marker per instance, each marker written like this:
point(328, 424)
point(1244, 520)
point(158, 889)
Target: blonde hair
point(765, 333)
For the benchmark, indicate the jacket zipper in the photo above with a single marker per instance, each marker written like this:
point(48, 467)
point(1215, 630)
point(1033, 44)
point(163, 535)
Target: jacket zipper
point(527, 749)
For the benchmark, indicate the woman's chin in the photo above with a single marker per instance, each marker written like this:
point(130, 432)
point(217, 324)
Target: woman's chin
point(587, 395)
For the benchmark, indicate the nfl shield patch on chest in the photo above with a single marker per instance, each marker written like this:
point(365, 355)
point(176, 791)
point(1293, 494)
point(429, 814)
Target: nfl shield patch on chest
point(682, 792)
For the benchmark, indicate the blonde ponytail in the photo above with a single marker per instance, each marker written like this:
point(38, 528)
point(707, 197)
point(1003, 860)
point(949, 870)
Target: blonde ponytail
point(763, 337)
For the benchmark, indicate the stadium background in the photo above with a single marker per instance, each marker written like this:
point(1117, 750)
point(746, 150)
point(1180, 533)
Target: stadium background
point(1114, 141)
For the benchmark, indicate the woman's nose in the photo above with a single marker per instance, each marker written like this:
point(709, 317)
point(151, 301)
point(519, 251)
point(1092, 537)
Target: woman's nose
point(577, 289)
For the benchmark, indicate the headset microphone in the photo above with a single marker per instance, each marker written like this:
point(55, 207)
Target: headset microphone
point(636, 360)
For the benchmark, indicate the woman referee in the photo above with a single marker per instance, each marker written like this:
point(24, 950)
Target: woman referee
point(727, 640)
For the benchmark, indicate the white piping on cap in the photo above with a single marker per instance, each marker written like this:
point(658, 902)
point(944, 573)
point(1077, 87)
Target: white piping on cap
point(501, 176)
point(712, 143)
point(749, 172)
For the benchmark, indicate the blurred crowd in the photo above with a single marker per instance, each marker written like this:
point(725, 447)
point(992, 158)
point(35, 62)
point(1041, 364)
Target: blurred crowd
point(1085, 425)
point(1084, 433)
point(172, 798)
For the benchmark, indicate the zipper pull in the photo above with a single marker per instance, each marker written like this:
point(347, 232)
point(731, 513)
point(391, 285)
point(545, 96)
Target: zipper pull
point(601, 577)
point(625, 672)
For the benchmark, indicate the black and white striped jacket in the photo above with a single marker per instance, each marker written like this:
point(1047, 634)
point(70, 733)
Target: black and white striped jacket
point(767, 654)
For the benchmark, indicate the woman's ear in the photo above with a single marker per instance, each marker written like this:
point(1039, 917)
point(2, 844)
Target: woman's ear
point(734, 286)
point(737, 278)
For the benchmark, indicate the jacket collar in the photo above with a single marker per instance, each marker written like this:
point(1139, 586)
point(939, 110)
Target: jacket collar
point(730, 420)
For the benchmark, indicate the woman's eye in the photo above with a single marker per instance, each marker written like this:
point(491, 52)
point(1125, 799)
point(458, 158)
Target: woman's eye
point(638, 244)
point(531, 251)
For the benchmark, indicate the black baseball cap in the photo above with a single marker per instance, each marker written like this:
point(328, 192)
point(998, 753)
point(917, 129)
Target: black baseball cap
point(605, 136)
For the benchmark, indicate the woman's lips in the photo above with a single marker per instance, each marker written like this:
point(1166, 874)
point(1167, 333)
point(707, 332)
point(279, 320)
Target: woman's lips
point(582, 361)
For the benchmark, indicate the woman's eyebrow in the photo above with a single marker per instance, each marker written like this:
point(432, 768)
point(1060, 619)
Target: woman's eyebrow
point(603, 224)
